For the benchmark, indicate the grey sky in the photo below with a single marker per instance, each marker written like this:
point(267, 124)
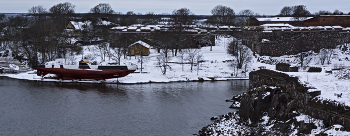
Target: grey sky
point(198, 7)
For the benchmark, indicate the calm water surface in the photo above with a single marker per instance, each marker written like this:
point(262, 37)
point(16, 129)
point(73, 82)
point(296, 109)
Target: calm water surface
point(157, 109)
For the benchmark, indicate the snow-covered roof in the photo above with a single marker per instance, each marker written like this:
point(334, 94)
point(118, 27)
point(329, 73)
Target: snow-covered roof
point(142, 43)
point(145, 28)
point(79, 25)
point(277, 25)
point(201, 21)
point(137, 25)
point(223, 26)
point(347, 28)
point(191, 30)
point(132, 28)
point(265, 40)
point(119, 27)
point(337, 15)
point(281, 19)
point(337, 27)
point(103, 22)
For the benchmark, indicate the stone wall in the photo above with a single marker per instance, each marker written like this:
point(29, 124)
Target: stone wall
point(291, 43)
point(282, 67)
point(293, 88)
point(328, 118)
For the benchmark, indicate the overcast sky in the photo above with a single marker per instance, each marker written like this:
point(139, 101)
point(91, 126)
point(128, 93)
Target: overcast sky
point(198, 7)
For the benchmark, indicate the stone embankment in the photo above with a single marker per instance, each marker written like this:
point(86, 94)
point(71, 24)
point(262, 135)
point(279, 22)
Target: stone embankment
point(281, 98)
point(298, 93)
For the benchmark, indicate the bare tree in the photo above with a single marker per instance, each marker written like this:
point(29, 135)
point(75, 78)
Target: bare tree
point(61, 13)
point(163, 60)
point(222, 15)
point(142, 59)
point(116, 54)
point(192, 56)
point(119, 44)
point(303, 42)
point(244, 17)
point(37, 10)
point(128, 19)
point(163, 42)
point(300, 13)
point(323, 12)
point(63, 9)
point(322, 55)
point(150, 19)
point(102, 8)
point(325, 54)
point(87, 32)
point(286, 11)
point(199, 59)
point(182, 17)
point(2, 21)
point(337, 12)
point(206, 39)
point(182, 58)
point(104, 50)
point(241, 53)
point(233, 47)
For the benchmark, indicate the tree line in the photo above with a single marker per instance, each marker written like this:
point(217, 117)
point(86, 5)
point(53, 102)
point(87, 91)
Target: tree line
point(41, 37)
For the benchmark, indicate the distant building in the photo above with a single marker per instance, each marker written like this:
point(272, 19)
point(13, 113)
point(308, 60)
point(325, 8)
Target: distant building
point(328, 20)
point(75, 28)
point(322, 20)
point(274, 20)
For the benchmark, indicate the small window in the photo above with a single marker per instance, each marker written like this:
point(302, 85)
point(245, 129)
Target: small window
point(324, 20)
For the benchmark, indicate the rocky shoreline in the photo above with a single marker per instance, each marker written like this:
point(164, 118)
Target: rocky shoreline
point(267, 111)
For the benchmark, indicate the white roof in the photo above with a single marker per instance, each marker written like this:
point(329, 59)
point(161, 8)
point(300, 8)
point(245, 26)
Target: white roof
point(103, 22)
point(132, 28)
point(145, 28)
point(281, 19)
point(337, 27)
point(142, 43)
point(223, 27)
point(119, 27)
point(191, 30)
point(79, 25)
point(136, 25)
point(265, 40)
point(277, 25)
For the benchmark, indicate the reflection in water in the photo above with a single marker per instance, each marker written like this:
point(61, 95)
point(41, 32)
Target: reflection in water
point(51, 108)
point(99, 87)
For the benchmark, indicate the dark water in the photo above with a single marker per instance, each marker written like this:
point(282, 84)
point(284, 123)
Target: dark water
point(157, 109)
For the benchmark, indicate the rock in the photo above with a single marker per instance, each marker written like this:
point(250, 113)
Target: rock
point(214, 118)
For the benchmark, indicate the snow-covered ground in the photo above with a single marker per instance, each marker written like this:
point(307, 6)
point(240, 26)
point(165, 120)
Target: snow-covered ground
point(214, 65)
point(328, 84)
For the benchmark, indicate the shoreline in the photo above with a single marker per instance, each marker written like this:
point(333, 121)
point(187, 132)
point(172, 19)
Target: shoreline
point(116, 81)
